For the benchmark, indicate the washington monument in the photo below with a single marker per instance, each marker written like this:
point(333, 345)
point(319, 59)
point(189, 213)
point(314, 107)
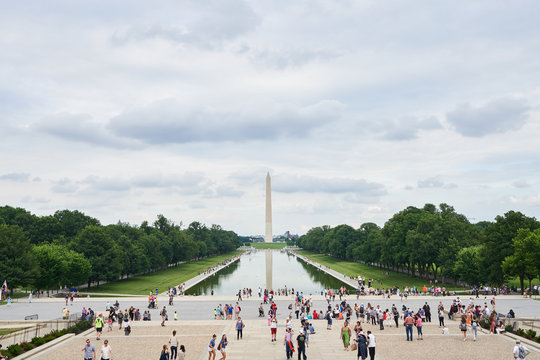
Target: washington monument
point(268, 233)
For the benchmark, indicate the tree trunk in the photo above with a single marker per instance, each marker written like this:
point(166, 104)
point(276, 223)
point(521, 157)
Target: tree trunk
point(521, 283)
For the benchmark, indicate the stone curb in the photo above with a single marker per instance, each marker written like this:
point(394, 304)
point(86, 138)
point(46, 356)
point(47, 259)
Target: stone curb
point(44, 347)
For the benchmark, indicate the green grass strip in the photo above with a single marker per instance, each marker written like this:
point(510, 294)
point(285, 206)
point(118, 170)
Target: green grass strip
point(351, 268)
point(143, 284)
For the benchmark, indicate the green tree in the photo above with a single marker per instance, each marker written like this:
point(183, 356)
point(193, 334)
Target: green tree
point(17, 265)
point(102, 252)
point(524, 261)
point(498, 240)
point(467, 266)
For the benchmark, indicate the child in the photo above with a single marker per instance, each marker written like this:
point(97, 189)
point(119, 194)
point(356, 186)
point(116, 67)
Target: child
point(175, 315)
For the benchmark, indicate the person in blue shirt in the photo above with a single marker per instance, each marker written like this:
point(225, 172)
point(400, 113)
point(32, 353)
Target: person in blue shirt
point(222, 345)
point(212, 348)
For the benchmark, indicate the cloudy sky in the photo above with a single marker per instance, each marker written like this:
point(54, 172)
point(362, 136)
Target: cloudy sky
point(358, 109)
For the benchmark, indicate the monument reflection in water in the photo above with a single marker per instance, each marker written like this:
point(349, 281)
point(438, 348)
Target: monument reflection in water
point(280, 270)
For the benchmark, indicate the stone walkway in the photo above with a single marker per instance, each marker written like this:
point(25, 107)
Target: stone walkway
point(147, 339)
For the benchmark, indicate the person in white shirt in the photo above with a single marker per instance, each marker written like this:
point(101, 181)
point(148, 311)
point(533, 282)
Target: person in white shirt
point(520, 351)
point(371, 345)
point(106, 351)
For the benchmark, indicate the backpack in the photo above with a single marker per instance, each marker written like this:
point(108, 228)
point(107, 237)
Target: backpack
point(463, 326)
point(522, 352)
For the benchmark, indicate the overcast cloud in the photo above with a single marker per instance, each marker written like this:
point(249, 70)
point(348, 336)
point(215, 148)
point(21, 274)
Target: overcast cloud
point(125, 110)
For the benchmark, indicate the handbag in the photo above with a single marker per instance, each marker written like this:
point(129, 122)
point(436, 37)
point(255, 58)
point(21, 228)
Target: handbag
point(353, 347)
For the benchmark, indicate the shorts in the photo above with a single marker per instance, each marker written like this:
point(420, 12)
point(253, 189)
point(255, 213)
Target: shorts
point(99, 329)
point(273, 331)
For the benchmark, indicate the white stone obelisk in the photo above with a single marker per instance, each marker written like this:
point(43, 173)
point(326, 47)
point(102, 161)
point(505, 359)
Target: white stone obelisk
point(268, 233)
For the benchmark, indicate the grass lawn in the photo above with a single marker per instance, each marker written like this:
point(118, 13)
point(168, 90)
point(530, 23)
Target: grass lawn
point(143, 284)
point(268, 245)
point(8, 331)
point(370, 272)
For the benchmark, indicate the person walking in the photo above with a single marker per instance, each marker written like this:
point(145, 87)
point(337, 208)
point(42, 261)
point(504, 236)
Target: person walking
point(463, 327)
point(427, 310)
point(362, 346)
point(395, 313)
point(173, 343)
point(273, 328)
point(520, 351)
point(301, 341)
point(106, 352)
point(418, 324)
point(287, 341)
point(89, 351)
point(345, 335)
point(371, 345)
point(474, 327)
point(99, 326)
point(163, 314)
point(222, 345)
point(409, 322)
point(441, 317)
point(239, 327)
point(212, 348)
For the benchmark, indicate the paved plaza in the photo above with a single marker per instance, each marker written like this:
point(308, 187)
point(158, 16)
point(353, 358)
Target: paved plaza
point(147, 339)
point(196, 326)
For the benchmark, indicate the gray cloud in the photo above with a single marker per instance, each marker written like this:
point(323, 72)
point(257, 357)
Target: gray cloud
point(64, 186)
point(309, 184)
point(403, 128)
point(16, 177)
point(286, 58)
point(494, 117)
point(207, 26)
point(171, 122)
point(80, 128)
point(432, 182)
point(521, 184)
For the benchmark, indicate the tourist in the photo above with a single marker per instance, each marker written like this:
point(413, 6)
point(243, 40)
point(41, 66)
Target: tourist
point(163, 315)
point(395, 312)
point(441, 317)
point(474, 327)
point(287, 341)
point(371, 345)
point(463, 327)
point(127, 325)
point(520, 351)
point(239, 327)
point(362, 345)
point(418, 324)
point(182, 353)
point(106, 351)
point(222, 345)
point(409, 321)
point(164, 353)
point(212, 348)
point(301, 341)
point(329, 320)
point(173, 343)
point(99, 326)
point(237, 310)
point(175, 315)
point(273, 328)
point(345, 335)
point(89, 351)
point(427, 311)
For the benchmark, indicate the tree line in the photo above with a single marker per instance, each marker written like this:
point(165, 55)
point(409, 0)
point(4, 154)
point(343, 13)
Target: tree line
point(437, 242)
point(70, 248)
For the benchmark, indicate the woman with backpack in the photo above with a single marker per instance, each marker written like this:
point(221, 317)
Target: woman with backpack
point(463, 327)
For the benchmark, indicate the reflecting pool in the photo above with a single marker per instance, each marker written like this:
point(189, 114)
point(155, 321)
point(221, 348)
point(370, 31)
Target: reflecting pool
point(284, 270)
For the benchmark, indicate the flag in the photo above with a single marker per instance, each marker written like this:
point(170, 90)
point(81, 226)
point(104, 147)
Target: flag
point(4, 286)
